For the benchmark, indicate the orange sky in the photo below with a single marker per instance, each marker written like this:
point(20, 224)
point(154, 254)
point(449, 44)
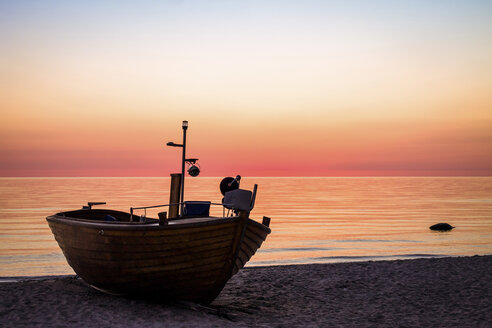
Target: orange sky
point(270, 88)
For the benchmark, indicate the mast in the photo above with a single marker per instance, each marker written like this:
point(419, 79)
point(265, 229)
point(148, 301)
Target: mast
point(184, 160)
point(185, 127)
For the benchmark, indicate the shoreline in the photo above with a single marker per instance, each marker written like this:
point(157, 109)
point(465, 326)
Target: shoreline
point(332, 260)
point(437, 292)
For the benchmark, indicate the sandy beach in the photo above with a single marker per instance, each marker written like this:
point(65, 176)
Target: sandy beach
point(437, 292)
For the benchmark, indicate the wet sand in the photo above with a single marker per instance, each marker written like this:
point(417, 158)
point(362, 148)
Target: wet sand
point(444, 292)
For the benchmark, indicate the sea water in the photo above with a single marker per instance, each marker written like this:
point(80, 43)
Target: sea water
point(314, 220)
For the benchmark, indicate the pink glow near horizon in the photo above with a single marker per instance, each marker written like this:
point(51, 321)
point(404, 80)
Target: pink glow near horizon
point(317, 90)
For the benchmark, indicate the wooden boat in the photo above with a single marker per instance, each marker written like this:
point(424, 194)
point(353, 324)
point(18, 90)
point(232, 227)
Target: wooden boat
point(189, 259)
point(181, 257)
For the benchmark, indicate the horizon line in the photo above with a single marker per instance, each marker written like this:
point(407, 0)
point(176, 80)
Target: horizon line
point(282, 177)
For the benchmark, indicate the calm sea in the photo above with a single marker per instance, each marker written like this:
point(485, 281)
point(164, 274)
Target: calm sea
point(313, 219)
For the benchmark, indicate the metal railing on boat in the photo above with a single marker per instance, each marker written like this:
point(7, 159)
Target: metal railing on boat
point(230, 208)
point(234, 201)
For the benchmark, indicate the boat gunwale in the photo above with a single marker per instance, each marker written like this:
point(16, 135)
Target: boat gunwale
point(141, 226)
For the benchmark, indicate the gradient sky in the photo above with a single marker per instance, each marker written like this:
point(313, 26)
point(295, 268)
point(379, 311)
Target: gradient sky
point(271, 88)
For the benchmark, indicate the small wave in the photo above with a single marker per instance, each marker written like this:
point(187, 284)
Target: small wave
point(340, 259)
point(380, 257)
point(27, 278)
point(296, 249)
point(25, 258)
point(376, 241)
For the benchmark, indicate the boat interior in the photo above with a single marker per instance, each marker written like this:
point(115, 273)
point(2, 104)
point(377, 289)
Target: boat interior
point(233, 202)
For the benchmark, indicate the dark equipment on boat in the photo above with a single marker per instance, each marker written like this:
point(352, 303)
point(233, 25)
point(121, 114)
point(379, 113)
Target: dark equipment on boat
point(229, 184)
point(90, 204)
point(194, 169)
point(195, 208)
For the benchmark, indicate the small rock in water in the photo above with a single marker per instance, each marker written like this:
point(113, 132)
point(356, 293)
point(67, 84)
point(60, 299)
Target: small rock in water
point(441, 227)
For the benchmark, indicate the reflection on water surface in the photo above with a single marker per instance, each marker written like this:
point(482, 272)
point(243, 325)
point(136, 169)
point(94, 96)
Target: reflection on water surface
point(314, 220)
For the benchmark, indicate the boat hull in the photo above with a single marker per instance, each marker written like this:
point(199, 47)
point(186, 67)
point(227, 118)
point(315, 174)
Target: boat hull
point(188, 260)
